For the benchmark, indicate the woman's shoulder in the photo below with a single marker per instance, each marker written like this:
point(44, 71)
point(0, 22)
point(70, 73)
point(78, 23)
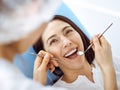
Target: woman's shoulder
point(79, 81)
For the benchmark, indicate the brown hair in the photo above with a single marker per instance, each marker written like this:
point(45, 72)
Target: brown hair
point(86, 42)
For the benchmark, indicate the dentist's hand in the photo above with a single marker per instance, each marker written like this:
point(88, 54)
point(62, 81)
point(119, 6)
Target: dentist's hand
point(41, 65)
point(103, 54)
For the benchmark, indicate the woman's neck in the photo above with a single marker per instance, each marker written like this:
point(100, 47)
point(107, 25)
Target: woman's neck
point(6, 52)
point(72, 75)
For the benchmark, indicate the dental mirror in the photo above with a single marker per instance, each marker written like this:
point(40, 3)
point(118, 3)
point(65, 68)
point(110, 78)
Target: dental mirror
point(83, 52)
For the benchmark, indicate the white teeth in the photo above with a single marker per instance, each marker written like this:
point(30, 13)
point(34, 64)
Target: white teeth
point(70, 53)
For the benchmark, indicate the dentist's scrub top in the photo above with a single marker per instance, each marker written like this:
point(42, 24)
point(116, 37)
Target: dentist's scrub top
point(82, 82)
point(12, 79)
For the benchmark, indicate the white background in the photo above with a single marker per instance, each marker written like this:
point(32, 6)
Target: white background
point(96, 15)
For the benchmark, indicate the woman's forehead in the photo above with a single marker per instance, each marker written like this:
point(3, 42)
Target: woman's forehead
point(53, 27)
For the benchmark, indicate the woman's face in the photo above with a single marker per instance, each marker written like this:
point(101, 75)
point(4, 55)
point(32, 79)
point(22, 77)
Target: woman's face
point(61, 40)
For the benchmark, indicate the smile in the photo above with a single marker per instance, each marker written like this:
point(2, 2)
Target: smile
point(70, 53)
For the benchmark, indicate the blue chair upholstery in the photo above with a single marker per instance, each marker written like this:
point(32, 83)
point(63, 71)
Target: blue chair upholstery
point(64, 10)
point(25, 61)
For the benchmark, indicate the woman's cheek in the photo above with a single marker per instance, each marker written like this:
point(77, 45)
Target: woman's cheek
point(55, 51)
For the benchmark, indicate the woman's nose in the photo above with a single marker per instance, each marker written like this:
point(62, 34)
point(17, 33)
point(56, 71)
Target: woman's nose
point(66, 42)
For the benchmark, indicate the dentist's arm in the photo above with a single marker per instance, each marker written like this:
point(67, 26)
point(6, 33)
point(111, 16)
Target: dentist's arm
point(103, 56)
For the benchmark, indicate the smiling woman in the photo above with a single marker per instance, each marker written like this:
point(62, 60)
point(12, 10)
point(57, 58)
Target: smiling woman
point(68, 28)
point(63, 41)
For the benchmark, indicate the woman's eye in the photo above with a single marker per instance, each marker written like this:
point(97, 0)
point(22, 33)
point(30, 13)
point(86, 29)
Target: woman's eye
point(68, 31)
point(53, 41)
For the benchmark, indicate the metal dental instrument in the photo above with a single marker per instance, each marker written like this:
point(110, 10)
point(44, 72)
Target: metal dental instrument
point(83, 52)
point(40, 55)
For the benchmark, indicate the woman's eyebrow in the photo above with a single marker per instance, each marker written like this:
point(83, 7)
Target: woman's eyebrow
point(55, 35)
point(50, 37)
point(65, 28)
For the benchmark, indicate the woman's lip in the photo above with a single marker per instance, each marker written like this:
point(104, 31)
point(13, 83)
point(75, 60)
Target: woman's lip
point(73, 56)
point(70, 51)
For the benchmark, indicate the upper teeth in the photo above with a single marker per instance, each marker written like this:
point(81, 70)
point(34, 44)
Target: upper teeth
point(70, 53)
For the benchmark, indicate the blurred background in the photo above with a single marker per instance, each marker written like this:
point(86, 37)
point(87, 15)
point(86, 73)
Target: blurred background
point(96, 15)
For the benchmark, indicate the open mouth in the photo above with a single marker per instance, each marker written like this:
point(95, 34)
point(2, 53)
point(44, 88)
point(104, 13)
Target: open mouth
point(71, 54)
